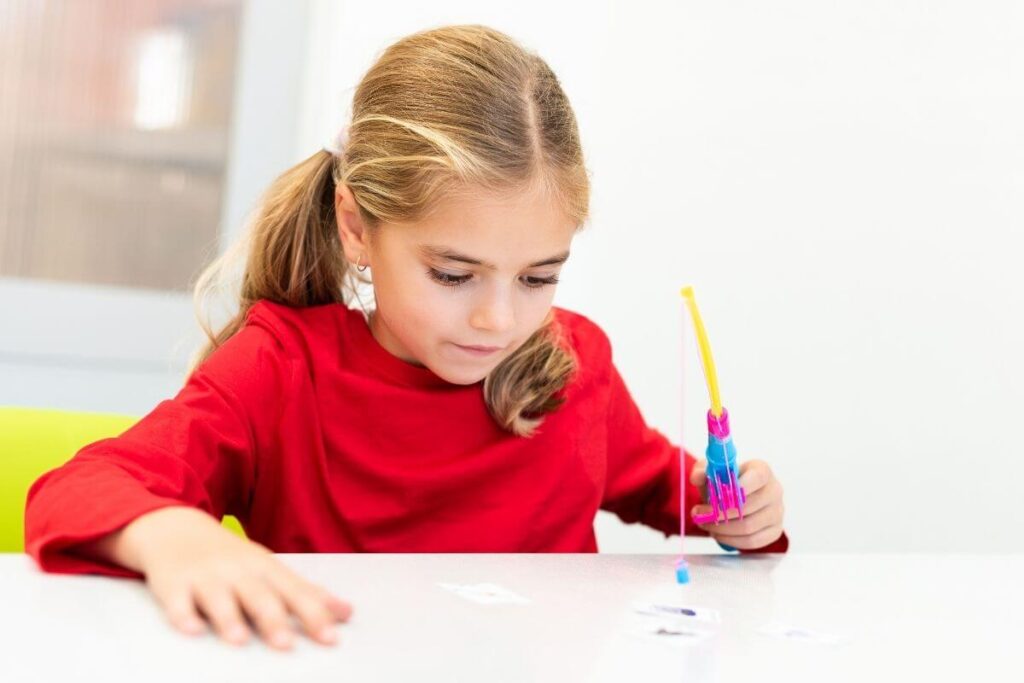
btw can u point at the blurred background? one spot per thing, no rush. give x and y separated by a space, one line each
843 183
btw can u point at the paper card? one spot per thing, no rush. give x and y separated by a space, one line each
682 612
789 632
485 593
668 630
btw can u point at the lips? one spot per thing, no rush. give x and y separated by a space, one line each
477 350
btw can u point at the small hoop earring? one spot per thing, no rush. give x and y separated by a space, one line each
361 269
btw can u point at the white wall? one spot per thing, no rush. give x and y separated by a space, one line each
843 184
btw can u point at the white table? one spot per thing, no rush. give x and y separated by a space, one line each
913 618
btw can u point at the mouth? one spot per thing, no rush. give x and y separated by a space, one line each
479 350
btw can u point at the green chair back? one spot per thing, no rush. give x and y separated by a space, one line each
34 441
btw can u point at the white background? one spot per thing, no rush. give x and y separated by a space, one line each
842 182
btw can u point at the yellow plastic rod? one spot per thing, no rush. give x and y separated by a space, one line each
710 376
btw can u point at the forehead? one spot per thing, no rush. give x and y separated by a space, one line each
507 228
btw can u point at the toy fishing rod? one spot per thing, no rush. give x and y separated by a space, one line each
724 492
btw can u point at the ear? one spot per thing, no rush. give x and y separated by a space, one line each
351 229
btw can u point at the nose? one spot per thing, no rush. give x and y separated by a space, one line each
495 313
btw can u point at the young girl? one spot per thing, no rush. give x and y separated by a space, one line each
464 413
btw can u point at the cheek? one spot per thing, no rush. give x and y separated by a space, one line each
535 309
436 316
420 312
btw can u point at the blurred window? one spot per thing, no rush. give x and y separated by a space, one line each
114 128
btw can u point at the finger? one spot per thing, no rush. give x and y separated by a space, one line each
698 474
180 609
756 502
311 604
341 609
221 608
267 610
284 578
750 524
755 541
754 475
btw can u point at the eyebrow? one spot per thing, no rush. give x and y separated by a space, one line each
452 255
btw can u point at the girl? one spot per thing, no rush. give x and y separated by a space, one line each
462 414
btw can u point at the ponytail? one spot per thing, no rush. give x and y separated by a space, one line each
293 252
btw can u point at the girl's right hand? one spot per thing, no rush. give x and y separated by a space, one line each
196 568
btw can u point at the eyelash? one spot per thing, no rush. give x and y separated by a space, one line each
449 280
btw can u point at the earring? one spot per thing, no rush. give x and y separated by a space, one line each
360 268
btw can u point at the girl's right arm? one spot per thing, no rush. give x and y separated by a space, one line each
194 568
149 502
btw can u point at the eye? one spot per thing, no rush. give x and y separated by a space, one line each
538 282
447 279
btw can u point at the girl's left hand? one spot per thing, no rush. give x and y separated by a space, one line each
762 513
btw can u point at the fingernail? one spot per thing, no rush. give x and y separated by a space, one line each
237 633
281 639
193 626
327 635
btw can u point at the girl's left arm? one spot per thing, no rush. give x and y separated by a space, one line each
643 481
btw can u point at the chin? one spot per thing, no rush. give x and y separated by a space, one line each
463 377
461 373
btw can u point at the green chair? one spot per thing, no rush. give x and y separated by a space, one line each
33 441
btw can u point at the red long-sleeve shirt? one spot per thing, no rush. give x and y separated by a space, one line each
319 440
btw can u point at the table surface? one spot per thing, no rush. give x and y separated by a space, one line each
846 617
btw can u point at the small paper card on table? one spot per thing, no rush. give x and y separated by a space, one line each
668 630
778 629
682 612
485 593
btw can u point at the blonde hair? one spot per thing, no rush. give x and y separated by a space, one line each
440 111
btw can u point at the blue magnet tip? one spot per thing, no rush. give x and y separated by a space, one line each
682 574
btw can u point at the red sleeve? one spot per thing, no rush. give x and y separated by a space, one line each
643 479
643 471
197 449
